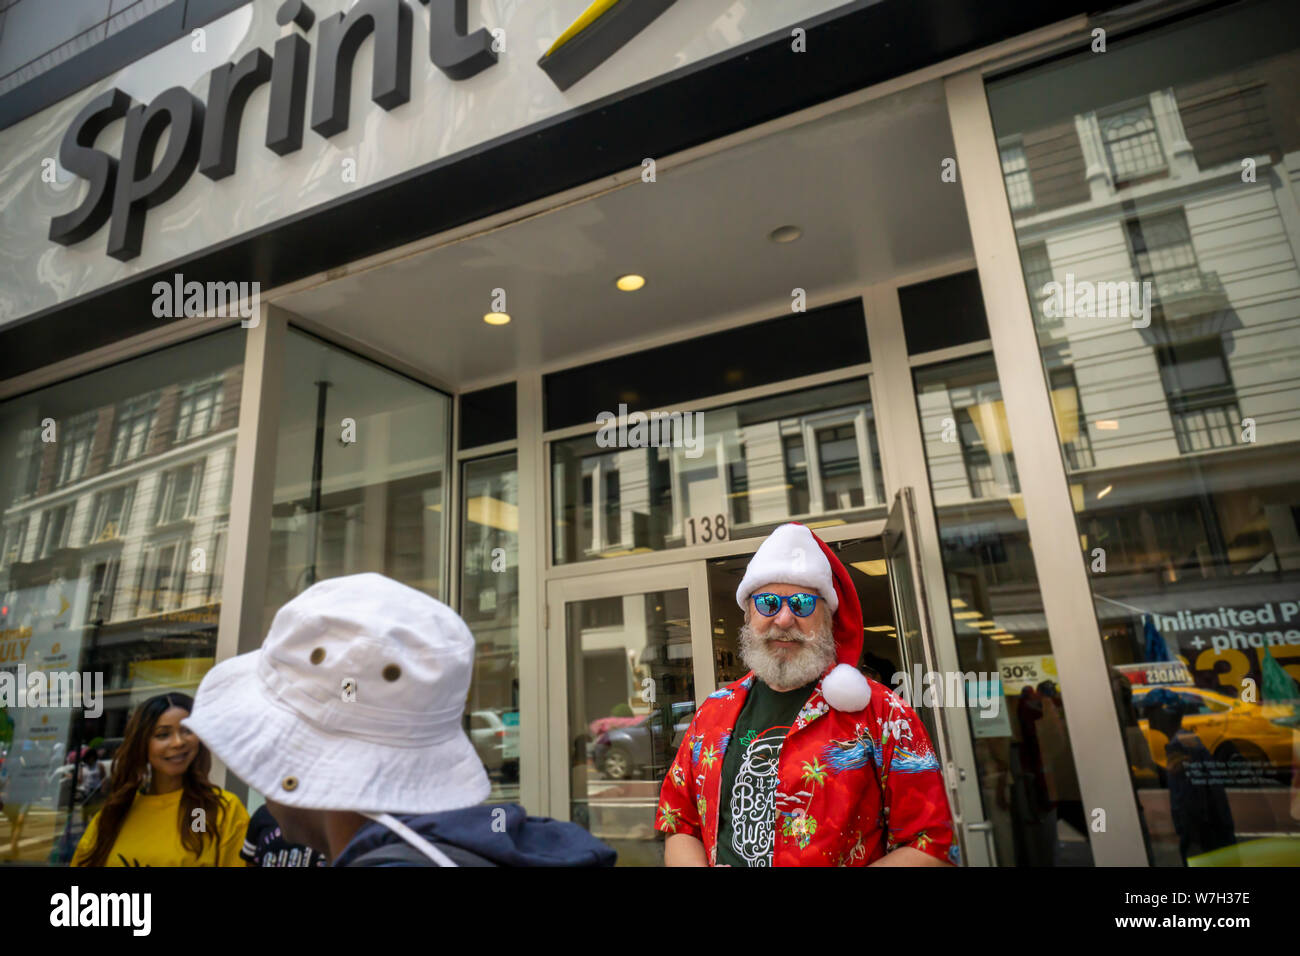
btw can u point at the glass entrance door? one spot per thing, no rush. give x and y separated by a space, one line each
629 661
916 638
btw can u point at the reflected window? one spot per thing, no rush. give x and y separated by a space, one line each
1163 254
217 563
103 588
1038 273
600 612
198 409
796 475
745 469
1015 170
738 484
55 525
979 467
841 467
28 458
178 493
965 425
1132 144
131 429
73 452
1202 400
110 514
1069 417
15 538
162 576
612 508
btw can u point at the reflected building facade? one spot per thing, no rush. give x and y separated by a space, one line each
1179 424
115 521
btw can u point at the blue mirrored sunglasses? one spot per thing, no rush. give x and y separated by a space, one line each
801 604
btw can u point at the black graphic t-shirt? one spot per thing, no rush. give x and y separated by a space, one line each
265 845
747 801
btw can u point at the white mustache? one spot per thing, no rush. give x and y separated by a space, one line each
795 636
813 653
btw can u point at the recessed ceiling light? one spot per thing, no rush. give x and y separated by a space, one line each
630 282
1107 425
785 234
1104 492
497 318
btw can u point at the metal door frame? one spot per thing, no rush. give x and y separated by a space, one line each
905 466
689 575
902 529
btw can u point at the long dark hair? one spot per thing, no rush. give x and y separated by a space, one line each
130 765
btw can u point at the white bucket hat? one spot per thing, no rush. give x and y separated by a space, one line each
353 702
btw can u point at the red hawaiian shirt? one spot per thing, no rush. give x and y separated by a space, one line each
850 787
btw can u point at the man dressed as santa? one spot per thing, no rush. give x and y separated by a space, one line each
804 761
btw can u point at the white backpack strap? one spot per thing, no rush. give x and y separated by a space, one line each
411 837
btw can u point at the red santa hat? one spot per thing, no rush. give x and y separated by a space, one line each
792 554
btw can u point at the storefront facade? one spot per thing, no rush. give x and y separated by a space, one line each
959 291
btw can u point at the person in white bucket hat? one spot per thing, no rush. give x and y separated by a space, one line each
349 721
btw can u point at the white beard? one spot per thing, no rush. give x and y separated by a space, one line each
787 669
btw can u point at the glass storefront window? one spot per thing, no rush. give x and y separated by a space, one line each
489 603
359 479
620 750
1166 235
1027 779
109 565
810 456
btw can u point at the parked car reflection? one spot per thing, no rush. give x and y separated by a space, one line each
642 747
1230 729
496 740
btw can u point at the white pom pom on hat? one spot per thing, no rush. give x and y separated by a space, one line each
846 689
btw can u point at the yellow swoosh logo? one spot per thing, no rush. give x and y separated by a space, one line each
586 19
596 35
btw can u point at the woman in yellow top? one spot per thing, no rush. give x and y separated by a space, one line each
161 809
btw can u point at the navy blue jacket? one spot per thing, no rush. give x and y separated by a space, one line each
487 835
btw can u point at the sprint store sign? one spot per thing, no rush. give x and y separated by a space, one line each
279 107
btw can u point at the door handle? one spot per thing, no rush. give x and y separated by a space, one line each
985 827
955 777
